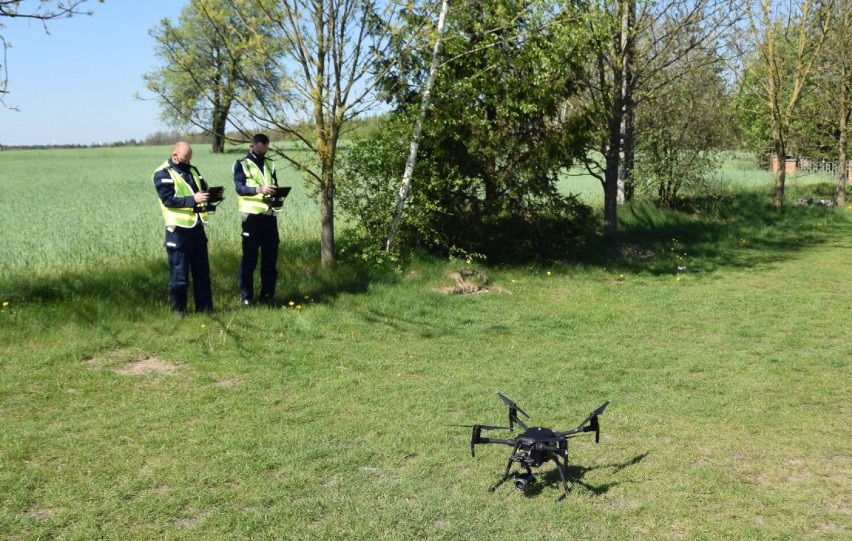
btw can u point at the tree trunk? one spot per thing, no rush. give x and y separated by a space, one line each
842 163
405 185
611 196
612 157
627 126
780 173
327 248
220 123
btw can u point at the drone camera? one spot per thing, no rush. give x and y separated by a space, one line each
523 481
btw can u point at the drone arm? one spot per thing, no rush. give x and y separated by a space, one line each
476 438
497 440
555 450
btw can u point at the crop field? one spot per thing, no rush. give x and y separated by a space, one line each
722 338
99 207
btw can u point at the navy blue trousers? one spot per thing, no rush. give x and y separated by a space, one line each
187 253
260 233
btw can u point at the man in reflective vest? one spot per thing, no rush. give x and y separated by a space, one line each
183 192
255 180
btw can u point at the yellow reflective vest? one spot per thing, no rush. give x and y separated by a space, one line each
181 216
255 178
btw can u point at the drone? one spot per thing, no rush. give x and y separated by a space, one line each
535 446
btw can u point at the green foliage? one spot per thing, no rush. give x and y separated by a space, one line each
751 119
216 63
491 151
446 212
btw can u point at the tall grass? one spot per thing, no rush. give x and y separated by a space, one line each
71 209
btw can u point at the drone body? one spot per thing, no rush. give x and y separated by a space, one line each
535 446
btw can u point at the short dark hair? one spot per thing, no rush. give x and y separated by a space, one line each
260 138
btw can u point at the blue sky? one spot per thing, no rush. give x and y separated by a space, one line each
77 85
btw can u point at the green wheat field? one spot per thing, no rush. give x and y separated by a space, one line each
721 335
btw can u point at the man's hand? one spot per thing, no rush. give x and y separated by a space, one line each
201 197
269 189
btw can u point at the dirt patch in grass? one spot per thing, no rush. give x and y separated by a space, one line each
228 383
40 515
470 282
146 365
130 362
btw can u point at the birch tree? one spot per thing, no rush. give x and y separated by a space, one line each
405 185
502 125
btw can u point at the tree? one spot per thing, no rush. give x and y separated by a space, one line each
405 185
638 41
830 103
500 128
679 129
213 59
784 42
331 57
40 10
839 62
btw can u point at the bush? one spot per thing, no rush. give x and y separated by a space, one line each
446 212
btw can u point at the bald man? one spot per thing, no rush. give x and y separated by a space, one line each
182 191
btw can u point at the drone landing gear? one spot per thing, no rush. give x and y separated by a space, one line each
524 480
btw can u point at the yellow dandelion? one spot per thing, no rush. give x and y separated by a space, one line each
677 279
5 304
298 307
306 297
203 326
513 281
291 303
549 273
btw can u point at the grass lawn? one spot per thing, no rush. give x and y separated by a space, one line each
722 339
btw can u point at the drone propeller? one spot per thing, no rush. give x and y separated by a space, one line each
592 420
514 410
512 405
485 427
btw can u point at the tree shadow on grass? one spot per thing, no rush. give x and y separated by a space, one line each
741 230
132 292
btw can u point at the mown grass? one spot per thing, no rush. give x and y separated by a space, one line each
721 336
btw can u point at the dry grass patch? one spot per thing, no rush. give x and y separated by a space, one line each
470 282
228 383
131 362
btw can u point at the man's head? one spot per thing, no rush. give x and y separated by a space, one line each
182 153
259 144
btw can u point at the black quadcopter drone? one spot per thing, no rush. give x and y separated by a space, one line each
535 446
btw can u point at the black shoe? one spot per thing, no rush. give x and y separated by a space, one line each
180 314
